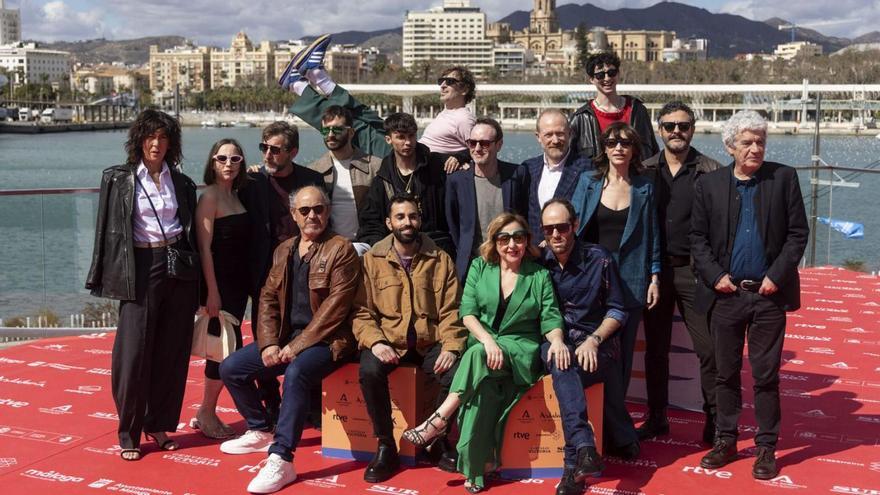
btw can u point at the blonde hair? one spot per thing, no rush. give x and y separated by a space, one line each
489 252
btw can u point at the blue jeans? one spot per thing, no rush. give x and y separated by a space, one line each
239 372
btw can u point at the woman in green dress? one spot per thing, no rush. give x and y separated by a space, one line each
508 304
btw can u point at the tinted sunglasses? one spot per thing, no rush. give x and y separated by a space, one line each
450 81
305 210
334 129
670 126
602 73
271 147
612 143
228 158
485 143
519 237
562 228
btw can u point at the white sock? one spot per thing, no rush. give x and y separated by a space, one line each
321 80
299 86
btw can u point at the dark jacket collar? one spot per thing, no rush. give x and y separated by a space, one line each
386 170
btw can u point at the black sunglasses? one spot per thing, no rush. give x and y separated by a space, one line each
485 143
562 228
305 210
450 81
228 158
271 147
336 130
612 143
602 73
670 126
519 237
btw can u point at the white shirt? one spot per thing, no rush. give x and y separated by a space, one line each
344 213
145 226
550 176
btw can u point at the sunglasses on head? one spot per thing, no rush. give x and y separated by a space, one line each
602 73
613 142
562 228
518 236
271 147
305 210
670 126
485 143
336 130
450 81
228 158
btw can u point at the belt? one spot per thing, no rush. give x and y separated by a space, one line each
748 285
676 261
158 244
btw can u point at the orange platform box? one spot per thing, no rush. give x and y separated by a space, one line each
533 440
346 429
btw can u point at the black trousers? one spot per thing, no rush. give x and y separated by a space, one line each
735 317
374 386
677 287
151 351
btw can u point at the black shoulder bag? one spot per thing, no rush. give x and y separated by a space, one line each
182 264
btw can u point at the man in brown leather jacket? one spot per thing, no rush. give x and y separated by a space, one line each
406 311
303 333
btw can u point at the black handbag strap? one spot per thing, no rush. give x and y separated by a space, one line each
158 220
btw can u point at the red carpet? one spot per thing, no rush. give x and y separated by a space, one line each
58 429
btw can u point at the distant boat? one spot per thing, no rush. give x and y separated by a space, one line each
241 124
209 123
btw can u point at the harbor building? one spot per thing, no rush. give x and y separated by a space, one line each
687 50
10 25
28 64
103 79
454 34
642 45
795 49
244 64
187 65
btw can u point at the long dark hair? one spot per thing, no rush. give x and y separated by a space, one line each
210 175
619 130
146 124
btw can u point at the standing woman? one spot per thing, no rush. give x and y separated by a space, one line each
223 229
617 205
145 207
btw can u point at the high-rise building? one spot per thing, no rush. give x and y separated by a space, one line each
27 64
187 65
454 34
243 64
10 25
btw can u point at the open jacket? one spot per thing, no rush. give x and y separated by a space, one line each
585 130
573 167
389 300
363 169
334 275
112 271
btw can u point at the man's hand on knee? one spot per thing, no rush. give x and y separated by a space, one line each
385 353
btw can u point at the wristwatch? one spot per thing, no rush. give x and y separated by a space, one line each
597 337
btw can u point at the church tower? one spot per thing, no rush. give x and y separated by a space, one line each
542 19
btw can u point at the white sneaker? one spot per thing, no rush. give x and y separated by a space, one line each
275 475
251 442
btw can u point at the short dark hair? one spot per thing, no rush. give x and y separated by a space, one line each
281 128
676 106
618 130
403 123
336 111
572 214
489 121
402 197
145 125
467 80
210 176
599 59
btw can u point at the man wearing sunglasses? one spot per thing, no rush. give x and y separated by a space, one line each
499 185
675 171
588 121
585 277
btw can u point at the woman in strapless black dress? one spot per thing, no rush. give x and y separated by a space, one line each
223 230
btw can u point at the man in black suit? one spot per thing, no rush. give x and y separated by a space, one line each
748 234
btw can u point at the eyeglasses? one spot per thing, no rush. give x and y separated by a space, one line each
670 126
602 73
229 158
271 147
518 236
485 143
612 143
450 81
336 130
562 228
305 210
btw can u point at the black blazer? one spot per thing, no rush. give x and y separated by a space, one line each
782 222
461 206
572 168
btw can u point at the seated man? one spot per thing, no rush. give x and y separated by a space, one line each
303 333
585 277
406 311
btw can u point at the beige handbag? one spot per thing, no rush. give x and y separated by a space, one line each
212 347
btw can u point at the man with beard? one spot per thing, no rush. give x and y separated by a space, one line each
405 311
676 170
347 172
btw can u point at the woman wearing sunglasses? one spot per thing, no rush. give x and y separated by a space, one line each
616 204
508 305
223 230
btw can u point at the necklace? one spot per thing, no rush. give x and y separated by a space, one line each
407 182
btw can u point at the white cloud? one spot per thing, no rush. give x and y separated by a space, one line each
847 18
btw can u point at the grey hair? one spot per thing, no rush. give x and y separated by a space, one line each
552 111
324 197
745 120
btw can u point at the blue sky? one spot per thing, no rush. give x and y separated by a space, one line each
216 22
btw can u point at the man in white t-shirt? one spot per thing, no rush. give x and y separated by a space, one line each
347 173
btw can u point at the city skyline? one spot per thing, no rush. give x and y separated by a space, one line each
216 24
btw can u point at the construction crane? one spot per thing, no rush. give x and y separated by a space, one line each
793 26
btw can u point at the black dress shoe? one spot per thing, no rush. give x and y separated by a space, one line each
589 463
568 485
721 454
627 452
443 454
709 429
384 464
765 464
655 426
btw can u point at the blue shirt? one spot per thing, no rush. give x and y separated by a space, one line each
588 289
747 260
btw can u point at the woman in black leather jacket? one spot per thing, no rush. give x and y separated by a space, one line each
146 206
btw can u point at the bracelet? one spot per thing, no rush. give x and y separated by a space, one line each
597 337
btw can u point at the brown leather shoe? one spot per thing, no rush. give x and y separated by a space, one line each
723 452
765 464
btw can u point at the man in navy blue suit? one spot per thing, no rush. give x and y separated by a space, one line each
555 173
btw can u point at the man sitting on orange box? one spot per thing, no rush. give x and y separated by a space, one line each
586 281
405 311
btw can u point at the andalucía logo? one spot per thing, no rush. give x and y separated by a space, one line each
65 409
815 414
52 476
329 482
782 482
840 365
